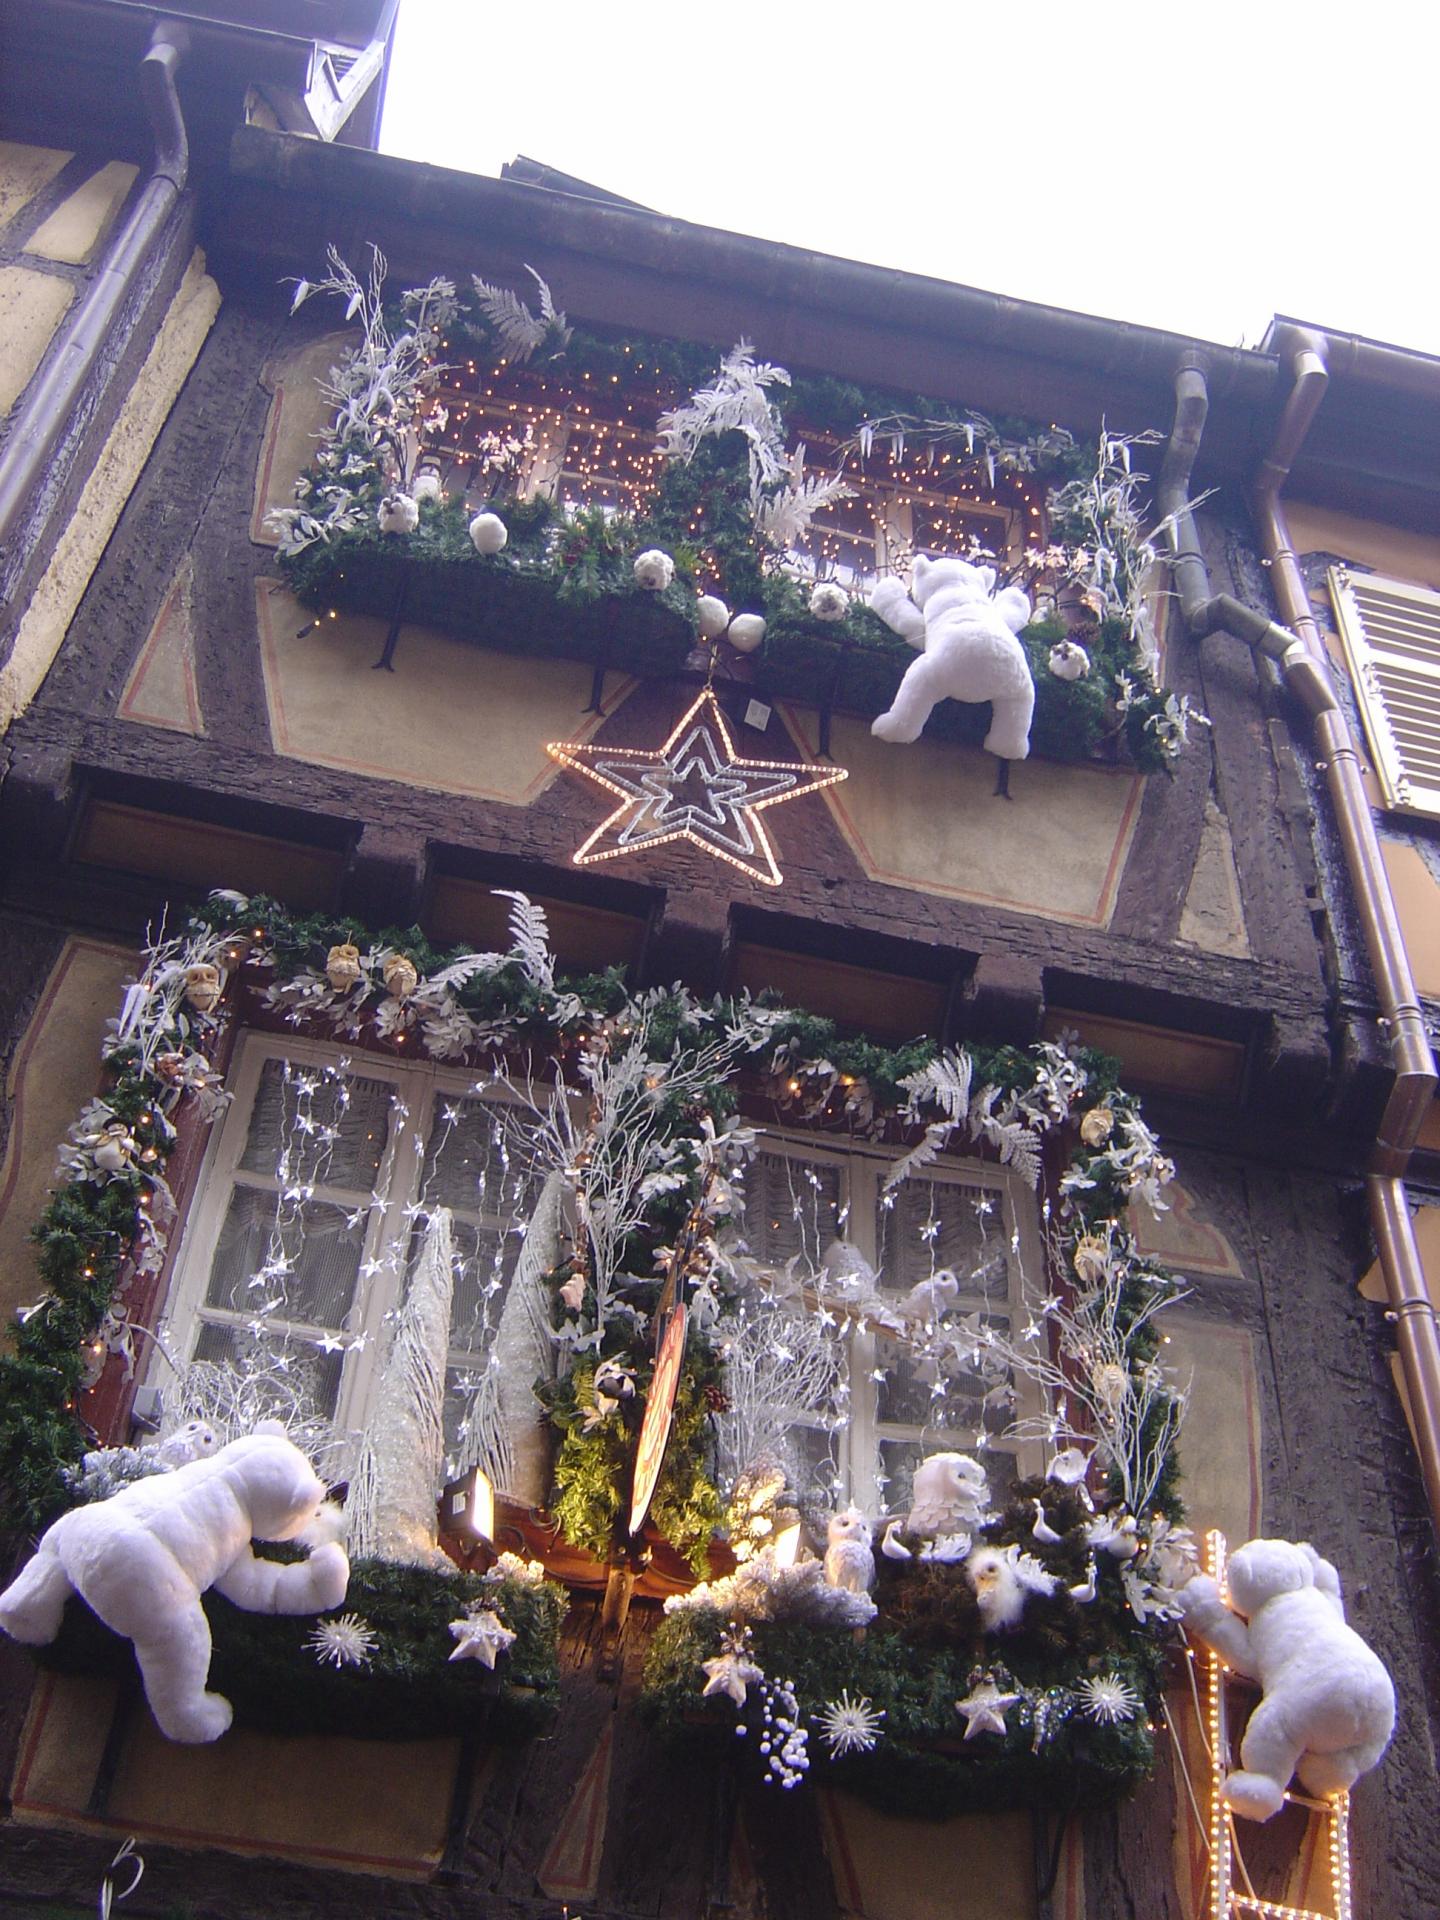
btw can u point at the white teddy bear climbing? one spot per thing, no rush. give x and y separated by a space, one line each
965 632
1329 1707
142 1559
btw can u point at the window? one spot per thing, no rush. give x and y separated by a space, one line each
906 1396
313 1211
1391 634
884 523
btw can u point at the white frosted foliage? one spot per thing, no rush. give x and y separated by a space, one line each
392 1504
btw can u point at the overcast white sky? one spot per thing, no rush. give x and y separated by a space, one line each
1195 167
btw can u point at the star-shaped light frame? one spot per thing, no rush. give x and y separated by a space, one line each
724 820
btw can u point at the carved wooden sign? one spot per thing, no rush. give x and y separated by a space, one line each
659 1409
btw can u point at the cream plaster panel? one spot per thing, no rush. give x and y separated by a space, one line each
77 552
1213 918
450 717
1182 1237
161 690
888 1867
1220 1453
1396 551
375 1806
23 172
31 305
56 1069
926 816
299 414
76 227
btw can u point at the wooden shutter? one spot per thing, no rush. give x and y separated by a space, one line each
1392 643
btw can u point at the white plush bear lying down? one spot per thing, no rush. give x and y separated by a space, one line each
142 1559
1329 1706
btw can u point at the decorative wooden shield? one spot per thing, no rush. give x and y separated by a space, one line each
659 1409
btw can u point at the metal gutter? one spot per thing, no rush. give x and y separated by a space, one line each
1300 652
53 401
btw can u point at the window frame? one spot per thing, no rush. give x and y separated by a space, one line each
399 1186
862 1167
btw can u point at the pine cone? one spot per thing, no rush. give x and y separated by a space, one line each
716 1400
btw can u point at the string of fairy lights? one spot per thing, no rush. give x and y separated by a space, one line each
589 440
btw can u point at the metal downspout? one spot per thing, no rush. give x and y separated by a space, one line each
57 394
1300 651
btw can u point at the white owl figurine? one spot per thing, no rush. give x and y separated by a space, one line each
849 1563
950 1495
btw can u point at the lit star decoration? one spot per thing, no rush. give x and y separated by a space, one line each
480 1637
343 1642
696 788
984 1709
849 1726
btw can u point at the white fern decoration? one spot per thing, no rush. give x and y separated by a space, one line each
520 333
529 937
782 518
739 402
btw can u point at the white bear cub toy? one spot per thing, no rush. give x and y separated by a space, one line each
967 633
1328 1709
142 1559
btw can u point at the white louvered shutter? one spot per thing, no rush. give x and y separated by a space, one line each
1392 643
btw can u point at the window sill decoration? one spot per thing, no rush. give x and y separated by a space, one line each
1007 1656
714 541
380 1667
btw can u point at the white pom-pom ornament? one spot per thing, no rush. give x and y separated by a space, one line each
713 614
745 632
1069 662
654 570
488 533
829 602
427 485
397 513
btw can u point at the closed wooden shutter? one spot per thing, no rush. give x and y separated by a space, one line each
1392 642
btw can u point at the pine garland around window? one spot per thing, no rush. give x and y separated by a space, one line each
1032 1635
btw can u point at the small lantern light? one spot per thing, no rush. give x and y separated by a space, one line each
467 1513
787 1545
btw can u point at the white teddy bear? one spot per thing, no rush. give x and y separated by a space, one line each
966 632
1328 1709
142 1559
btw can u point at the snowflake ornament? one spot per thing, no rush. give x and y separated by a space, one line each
1109 1699
343 1642
849 1726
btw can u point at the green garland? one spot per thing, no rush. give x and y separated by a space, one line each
564 585
408 1688
924 1646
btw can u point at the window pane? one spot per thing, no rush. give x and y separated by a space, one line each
475 1160
335 1125
940 526
792 1207
937 1223
899 1459
290 1378
306 1258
